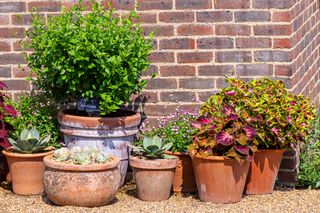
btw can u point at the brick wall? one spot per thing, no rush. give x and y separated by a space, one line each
197 43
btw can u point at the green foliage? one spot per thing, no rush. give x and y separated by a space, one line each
94 56
152 148
36 110
30 142
81 156
309 171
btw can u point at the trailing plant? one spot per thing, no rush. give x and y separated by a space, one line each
36 110
30 142
81 155
309 169
96 58
6 111
152 148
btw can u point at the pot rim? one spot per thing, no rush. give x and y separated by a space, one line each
217 158
20 155
157 164
80 168
271 150
176 153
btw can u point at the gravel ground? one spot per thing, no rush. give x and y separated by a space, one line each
282 200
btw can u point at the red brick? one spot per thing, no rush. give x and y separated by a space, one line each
215 43
272 56
177 43
4 19
194 57
151 70
21 19
196 83
252 16
281 43
283 70
233 30
253 42
221 83
159 83
158 30
215 70
159 57
86 4
231 4
148 18
204 96
159 110
193 4
177 71
281 16
4 46
11 58
20 72
176 17
17 84
12 32
277 4
150 97
119 4
177 96
272 30
155 4
44 6
214 16
9 7
20 46
254 70
5 72
191 29
235 56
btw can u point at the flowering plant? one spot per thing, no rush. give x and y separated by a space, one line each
176 129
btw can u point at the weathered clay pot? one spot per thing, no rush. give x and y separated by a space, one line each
183 180
110 134
220 180
153 177
26 171
81 185
263 171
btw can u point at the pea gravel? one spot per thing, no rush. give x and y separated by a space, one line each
282 200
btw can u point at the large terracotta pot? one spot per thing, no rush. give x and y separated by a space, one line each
153 177
81 185
111 134
263 171
26 171
220 180
183 180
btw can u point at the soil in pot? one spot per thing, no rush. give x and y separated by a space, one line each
81 185
153 178
111 134
183 180
263 172
220 180
26 172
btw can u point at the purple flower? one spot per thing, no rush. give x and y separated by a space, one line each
233 117
224 138
230 93
251 132
243 149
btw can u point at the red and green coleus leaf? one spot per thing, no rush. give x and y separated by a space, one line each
244 150
250 132
10 110
224 138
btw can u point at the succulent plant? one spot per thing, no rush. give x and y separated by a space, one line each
30 142
152 148
81 155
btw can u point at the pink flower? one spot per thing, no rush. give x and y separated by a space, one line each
230 93
224 138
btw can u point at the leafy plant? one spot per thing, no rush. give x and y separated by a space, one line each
152 148
81 156
30 142
309 170
96 57
37 110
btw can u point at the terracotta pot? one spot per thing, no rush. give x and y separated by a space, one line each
81 185
110 134
153 177
183 180
26 171
263 172
220 180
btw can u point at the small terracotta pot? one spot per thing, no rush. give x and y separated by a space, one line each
263 172
183 180
153 177
81 185
220 180
26 171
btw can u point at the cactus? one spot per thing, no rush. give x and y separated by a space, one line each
30 142
152 148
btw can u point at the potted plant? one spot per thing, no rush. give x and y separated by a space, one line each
281 119
153 170
176 129
221 151
25 160
95 59
81 176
